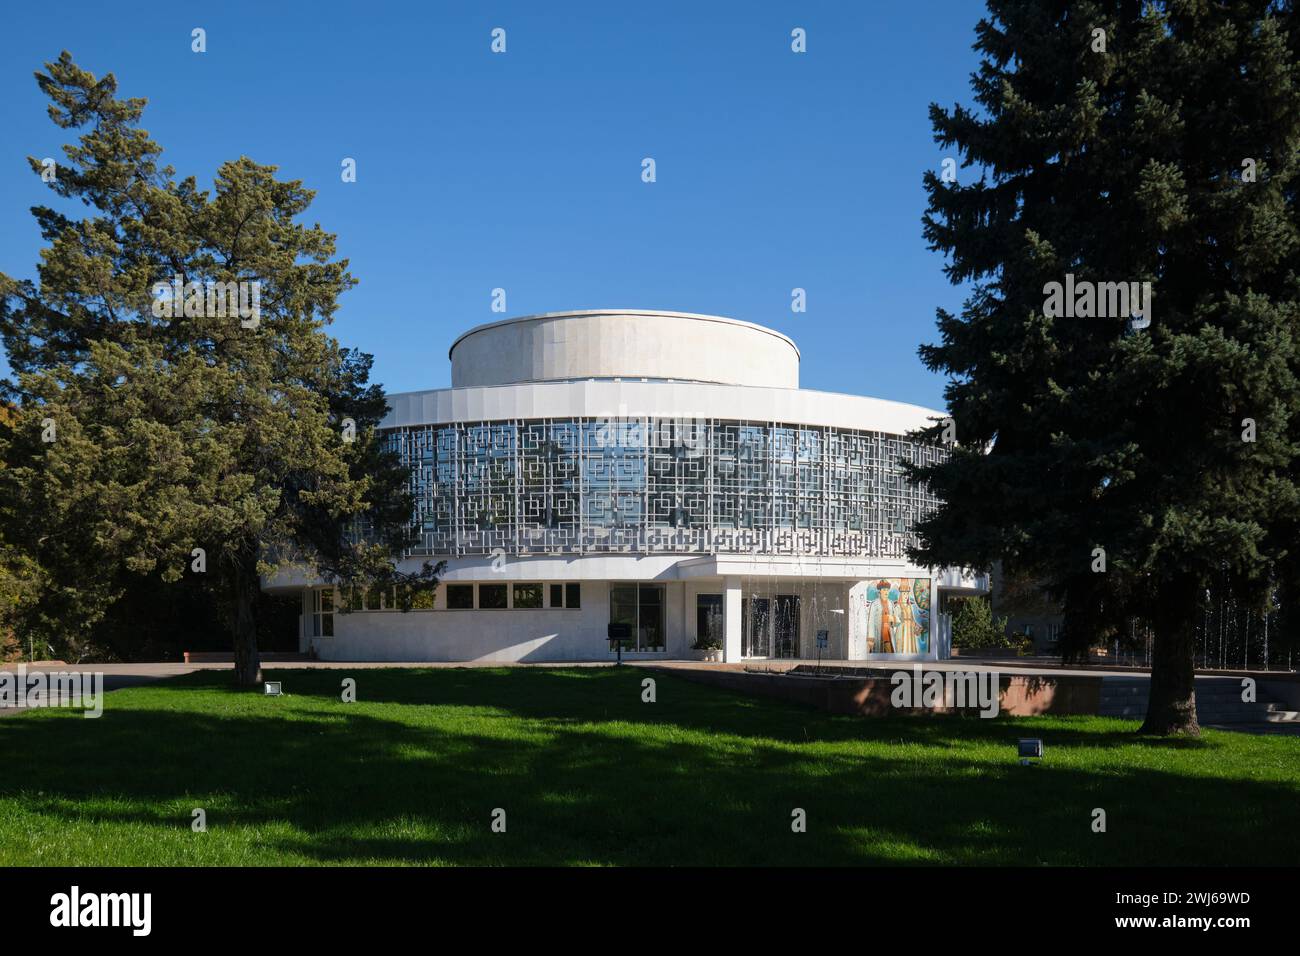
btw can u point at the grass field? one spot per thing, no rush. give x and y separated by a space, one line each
589 774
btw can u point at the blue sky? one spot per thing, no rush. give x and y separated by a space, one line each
522 171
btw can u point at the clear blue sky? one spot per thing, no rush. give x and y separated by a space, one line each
523 170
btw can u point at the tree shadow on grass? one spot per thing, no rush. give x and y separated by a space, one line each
587 773
579 694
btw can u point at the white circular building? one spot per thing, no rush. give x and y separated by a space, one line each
657 476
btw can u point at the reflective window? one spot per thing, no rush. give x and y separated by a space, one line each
660 486
708 621
527 596
460 597
641 607
492 596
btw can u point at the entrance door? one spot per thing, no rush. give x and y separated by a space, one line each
756 627
769 626
786 625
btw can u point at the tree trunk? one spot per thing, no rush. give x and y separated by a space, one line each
243 623
1171 705
1083 620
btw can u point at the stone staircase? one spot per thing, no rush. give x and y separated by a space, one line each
1218 702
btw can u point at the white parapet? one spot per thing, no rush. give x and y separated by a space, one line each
625 343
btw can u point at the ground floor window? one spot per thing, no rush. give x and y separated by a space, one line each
527 596
399 597
769 626
641 607
497 597
566 596
460 597
322 612
708 621
492 596
418 599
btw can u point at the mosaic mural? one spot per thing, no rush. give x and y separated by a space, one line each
896 616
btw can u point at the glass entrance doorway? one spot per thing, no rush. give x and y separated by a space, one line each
769 626
756 627
785 625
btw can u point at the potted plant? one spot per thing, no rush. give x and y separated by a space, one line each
707 649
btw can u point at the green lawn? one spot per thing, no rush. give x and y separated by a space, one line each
588 774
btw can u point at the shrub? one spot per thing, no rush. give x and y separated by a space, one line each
973 625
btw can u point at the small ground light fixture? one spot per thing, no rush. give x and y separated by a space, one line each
272 688
1031 748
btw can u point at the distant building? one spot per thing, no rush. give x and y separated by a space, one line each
1028 610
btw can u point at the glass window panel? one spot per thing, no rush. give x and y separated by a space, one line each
708 620
657 486
622 610
650 618
527 596
492 596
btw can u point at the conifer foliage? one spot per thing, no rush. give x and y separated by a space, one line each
1123 375
179 408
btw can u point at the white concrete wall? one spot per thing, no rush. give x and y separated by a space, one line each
562 346
553 634
858 621
473 635
546 634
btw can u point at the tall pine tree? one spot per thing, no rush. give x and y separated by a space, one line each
1127 464
170 435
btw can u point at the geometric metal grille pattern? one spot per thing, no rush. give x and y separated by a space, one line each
660 486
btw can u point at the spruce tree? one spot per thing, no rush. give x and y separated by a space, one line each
1128 459
172 434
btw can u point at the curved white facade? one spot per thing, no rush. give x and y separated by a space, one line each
566 346
649 470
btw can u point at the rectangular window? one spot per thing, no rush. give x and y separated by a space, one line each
374 598
322 612
708 621
641 607
492 596
460 597
622 610
650 617
527 596
356 599
405 597
566 596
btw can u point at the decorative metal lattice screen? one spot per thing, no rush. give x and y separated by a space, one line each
661 486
